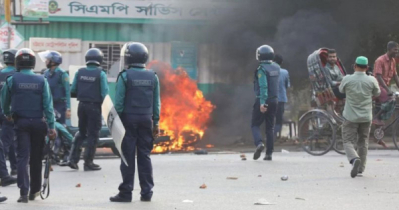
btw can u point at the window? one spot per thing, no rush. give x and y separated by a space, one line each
111 57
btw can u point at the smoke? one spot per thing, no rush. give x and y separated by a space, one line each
294 29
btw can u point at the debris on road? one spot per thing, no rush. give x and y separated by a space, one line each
259 175
283 151
284 178
188 201
342 165
263 202
232 178
201 152
243 157
78 185
203 186
302 199
378 160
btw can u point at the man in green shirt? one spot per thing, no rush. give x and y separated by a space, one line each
360 89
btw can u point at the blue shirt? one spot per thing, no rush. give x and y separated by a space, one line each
121 91
47 99
284 83
65 84
104 81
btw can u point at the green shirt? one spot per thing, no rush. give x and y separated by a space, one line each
262 81
47 99
8 69
103 80
121 91
359 89
65 84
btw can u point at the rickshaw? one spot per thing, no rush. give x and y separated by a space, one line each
320 128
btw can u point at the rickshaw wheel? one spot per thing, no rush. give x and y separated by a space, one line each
317 134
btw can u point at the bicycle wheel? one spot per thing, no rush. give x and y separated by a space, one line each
395 132
317 134
339 142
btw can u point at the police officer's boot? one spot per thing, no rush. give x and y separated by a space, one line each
9 180
2 199
23 199
89 166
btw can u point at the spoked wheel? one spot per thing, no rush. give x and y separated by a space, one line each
317 134
395 131
339 142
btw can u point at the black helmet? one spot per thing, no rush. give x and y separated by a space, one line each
265 53
25 59
94 56
135 54
9 56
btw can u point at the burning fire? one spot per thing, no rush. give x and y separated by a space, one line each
184 110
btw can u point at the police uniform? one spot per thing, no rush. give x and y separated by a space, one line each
266 82
137 101
7 132
58 80
90 87
7 128
30 100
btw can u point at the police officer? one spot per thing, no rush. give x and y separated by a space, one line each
266 82
7 128
30 100
58 80
138 103
90 87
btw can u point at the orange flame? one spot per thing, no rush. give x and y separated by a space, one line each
184 110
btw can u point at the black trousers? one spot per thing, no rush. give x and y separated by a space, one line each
89 129
258 118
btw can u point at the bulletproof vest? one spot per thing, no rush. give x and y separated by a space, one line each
272 75
139 92
3 79
89 85
27 95
54 80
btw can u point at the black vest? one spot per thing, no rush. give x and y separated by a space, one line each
89 85
27 95
272 72
139 92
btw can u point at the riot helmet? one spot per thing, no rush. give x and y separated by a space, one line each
134 54
25 59
9 56
265 53
94 56
53 58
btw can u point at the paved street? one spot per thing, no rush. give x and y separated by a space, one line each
314 183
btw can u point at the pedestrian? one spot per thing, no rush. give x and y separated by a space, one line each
359 89
90 87
138 103
26 99
284 84
7 127
384 71
266 82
